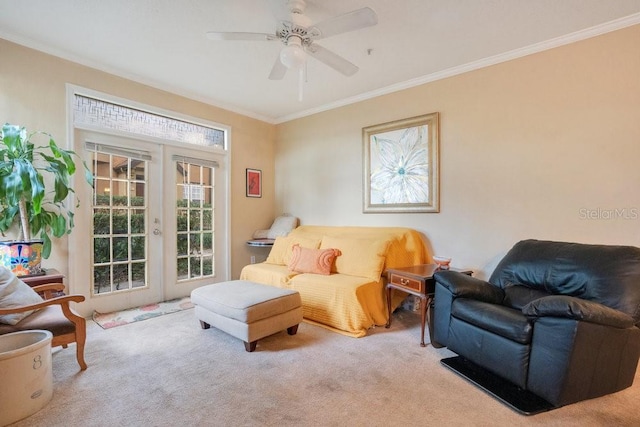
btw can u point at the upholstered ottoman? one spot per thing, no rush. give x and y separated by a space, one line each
247 310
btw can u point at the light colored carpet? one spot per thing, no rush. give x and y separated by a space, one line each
166 371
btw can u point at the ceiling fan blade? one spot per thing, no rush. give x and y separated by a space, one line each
355 20
331 59
215 35
278 71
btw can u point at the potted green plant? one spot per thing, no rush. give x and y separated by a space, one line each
34 185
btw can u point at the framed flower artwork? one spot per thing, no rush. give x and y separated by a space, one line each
401 163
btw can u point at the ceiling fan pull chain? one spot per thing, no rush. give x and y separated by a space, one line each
301 74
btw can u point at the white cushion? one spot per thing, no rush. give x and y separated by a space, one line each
261 234
245 301
282 226
15 293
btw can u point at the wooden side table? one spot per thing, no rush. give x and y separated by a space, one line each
416 280
51 276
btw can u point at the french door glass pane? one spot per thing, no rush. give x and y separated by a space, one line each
119 223
194 212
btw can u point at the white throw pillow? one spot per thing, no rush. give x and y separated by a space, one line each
261 234
282 226
15 293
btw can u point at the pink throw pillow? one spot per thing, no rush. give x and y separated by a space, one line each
318 261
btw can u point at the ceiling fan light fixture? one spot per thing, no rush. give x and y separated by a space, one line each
299 37
293 55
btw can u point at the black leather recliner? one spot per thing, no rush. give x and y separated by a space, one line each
560 320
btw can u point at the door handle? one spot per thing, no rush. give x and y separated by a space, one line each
157 232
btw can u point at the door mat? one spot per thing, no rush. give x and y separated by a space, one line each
124 317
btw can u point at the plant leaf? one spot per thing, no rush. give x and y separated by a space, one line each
8 215
46 247
12 137
59 226
88 176
66 157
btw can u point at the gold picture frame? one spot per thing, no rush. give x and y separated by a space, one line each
401 166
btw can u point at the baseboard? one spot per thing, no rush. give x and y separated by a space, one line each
521 401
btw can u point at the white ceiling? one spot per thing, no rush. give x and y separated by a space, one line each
162 43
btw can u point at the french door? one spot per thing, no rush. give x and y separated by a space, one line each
148 229
194 210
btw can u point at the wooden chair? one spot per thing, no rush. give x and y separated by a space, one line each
54 315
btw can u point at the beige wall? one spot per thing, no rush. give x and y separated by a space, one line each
33 94
526 147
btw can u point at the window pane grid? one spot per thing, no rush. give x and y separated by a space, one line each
119 223
194 212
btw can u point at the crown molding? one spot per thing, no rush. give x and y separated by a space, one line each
587 33
475 65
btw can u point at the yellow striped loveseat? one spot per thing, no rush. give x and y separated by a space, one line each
351 299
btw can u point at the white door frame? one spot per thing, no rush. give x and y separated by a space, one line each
77 265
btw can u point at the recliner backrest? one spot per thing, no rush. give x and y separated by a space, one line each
606 274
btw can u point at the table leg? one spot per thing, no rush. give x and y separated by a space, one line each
424 301
388 306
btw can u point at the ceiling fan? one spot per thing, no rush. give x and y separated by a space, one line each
299 37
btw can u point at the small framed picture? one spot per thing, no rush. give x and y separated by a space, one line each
254 183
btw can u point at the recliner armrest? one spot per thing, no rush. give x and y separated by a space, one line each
578 309
465 286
